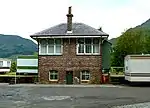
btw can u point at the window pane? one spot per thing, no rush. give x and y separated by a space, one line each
43 42
81 48
1 63
51 49
87 77
43 49
8 63
96 48
81 41
55 77
83 77
95 41
88 41
53 72
88 49
58 49
58 41
51 77
43 46
51 41
83 72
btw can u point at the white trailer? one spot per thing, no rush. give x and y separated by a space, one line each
137 68
27 64
5 65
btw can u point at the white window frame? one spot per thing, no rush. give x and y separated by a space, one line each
81 73
77 48
1 63
40 53
53 74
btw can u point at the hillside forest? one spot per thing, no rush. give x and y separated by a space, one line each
133 41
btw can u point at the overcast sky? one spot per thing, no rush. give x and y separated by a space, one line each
26 17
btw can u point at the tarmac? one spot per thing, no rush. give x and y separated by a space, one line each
73 96
61 85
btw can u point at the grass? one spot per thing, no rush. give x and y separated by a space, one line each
13 74
27 67
117 73
27 57
9 74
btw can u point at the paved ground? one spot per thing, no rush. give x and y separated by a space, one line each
23 96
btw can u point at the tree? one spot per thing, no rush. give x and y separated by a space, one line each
147 45
13 67
35 53
133 41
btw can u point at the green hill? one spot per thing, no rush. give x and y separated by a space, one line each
113 41
146 24
11 45
145 27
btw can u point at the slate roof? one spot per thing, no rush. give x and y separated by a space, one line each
77 29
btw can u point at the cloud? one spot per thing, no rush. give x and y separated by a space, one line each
25 17
114 18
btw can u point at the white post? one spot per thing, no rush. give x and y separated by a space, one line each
15 78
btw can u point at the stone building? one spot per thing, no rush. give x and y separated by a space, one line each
72 50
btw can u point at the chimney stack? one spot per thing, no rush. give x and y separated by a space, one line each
69 20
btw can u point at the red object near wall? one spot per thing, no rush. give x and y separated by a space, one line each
105 79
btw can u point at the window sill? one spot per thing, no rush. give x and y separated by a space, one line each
53 80
87 54
51 54
85 80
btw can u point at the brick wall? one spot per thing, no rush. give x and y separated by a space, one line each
69 61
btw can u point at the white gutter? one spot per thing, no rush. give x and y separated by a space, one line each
35 37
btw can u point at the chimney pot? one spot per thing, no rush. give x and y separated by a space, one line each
69 10
100 29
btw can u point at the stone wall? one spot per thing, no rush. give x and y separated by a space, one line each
69 61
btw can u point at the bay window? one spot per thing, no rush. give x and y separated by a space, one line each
51 47
88 46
